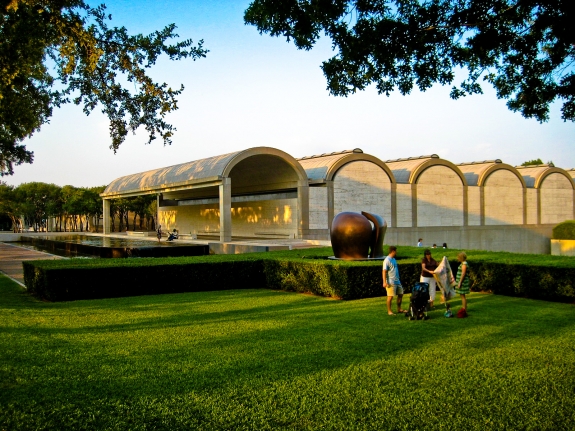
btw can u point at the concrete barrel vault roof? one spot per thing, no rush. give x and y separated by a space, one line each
476 173
323 167
571 173
407 171
534 175
190 174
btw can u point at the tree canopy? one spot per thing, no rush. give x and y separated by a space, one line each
524 48
536 162
63 51
72 208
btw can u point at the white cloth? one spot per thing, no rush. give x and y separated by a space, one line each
444 278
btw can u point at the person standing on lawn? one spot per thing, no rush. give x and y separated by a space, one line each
391 281
462 280
428 266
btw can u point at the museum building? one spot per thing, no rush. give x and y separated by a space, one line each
264 193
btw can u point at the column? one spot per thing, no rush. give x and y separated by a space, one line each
414 205
330 203
106 216
303 209
393 221
465 206
226 210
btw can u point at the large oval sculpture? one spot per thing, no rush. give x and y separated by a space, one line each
350 236
353 237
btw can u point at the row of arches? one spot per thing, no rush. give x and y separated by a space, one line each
430 191
265 192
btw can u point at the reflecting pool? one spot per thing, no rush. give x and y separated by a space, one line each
107 247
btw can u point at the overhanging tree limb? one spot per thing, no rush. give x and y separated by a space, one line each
524 48
62 51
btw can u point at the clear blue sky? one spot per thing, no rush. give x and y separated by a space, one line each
254 90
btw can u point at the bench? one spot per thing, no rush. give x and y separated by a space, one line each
282 235
139 233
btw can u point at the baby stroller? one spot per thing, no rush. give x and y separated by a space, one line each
418 303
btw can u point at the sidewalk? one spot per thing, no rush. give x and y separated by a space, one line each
11 258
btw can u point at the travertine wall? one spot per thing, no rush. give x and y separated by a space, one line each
503 194
318 208
556 199
253 219
439 197
512 238
362 186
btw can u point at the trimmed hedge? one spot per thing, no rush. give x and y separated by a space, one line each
565 230
306 271
82 279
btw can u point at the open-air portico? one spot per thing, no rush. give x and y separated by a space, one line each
260 191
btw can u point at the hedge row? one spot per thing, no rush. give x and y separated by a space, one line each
565 230
76 279
299 271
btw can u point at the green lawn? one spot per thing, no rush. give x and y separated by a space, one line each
261 359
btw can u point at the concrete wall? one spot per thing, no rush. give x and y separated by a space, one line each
263 219
362 186
517 239
503 197
556 199
439 197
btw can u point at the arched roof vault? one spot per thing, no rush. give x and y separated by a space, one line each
504 166
429 163
324 167
358 157
203 173
535 175
477 173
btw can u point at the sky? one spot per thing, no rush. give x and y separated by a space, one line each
255 90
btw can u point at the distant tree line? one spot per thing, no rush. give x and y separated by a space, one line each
71 209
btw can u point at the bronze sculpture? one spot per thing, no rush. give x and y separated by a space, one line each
354 238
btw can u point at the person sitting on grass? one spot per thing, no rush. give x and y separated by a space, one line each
391 281
462 280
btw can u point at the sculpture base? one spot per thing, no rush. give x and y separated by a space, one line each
360 259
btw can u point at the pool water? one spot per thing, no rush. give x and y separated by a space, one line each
106 247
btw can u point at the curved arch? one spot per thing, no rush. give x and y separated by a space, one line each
485 175
353 157
266 151
549 171
416 173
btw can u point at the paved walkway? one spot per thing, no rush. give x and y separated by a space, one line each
11 258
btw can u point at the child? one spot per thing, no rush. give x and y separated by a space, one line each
462 280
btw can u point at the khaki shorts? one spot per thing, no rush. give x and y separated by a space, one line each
394 290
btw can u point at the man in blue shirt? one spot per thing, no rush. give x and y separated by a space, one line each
391 281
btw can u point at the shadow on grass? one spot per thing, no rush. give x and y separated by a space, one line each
208 341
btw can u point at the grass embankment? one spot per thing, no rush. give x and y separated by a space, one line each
269 360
